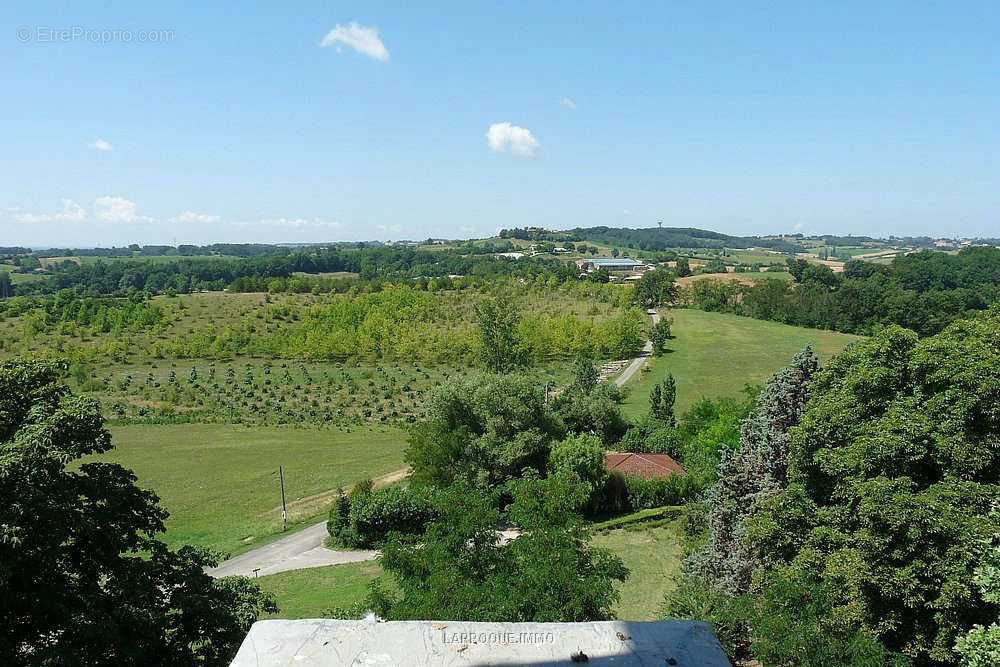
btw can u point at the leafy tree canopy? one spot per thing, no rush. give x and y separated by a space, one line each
484 430
892 473
83 579
461 571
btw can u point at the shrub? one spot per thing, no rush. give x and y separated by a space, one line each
648 493
652 436
582 455
338 525
375 515
614 495
693 599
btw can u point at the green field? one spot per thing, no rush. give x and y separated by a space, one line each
652 551
309 593
220 482
716 354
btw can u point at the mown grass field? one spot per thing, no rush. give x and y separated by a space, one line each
653 552
716 354
310 593
220 483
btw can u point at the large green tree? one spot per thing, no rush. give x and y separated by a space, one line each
461 570
484 430
656 288
83 578
501 348
892 473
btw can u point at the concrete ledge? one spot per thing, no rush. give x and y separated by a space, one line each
328 643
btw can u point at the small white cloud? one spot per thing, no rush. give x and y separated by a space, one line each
627 212
101 145
568 103
363 40
199 218
115 209
71 211
502 136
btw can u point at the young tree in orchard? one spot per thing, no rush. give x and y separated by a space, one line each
501 348
461 571
893 473
661 400
755 472
83 578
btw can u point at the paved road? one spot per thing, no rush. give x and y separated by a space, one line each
294 552
305 548
299 550
637 363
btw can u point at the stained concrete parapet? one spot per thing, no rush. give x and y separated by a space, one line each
369 643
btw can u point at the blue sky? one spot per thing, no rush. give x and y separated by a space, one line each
745 117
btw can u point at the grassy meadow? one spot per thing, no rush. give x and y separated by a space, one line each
220 482
717 354
310 593
652 551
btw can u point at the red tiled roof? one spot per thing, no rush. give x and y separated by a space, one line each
647 466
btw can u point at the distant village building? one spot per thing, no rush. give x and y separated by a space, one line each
612 265
647 466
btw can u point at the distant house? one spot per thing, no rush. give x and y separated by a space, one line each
647 466
559 250
617 264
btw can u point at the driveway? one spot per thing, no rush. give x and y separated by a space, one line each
637 363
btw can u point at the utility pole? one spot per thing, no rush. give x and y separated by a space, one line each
284 515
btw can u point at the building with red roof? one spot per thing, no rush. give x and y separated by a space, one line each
647 466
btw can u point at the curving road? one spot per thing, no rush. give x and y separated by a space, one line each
299 550
637 363
305 549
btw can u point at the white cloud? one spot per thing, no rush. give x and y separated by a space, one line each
566 102
71 211
502 136
101 145
115 209
199 218
363 40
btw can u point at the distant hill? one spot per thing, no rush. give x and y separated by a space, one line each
652 238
